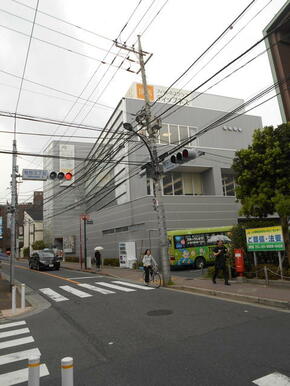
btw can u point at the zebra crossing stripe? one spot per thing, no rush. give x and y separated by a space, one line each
274 379
19 376
16 342
20 331
117 287
133 285
75 291
96 289
18 356
14 324
53 295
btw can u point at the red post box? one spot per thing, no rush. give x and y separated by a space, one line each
239 261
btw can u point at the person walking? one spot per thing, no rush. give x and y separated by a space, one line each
220 253
148 263
98 259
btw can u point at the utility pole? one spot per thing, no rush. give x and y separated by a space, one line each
152 129
13 212
85 240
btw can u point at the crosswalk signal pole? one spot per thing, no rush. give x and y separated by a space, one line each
158 204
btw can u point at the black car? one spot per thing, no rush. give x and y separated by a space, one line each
44 260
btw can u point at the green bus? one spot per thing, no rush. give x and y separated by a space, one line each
190 247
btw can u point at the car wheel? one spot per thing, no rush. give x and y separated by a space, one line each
199 262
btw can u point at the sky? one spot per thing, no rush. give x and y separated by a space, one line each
175 32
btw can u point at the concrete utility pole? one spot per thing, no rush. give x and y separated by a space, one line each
13 212
152 129
157 174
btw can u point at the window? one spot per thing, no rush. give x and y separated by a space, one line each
183 132
164 134
108 231
174 138
167 185
177 184
122 229
228 182
188 184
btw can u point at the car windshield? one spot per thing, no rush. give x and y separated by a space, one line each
46 255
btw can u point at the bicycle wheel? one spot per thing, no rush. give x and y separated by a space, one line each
155 280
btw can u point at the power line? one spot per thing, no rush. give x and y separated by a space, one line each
228 28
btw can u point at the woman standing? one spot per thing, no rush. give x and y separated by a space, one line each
148 263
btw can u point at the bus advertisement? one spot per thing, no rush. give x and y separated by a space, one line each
192 247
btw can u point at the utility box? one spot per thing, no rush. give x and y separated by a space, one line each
127 254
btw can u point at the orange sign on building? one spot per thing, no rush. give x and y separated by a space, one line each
140 92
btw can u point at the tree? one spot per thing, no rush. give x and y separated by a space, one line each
263 176
38 245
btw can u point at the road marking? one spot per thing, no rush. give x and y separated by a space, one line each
84 277
14 324
133 285
20 376
18 356
274 379
96 289
47 274
117 287
16 342
20 331
53 295
75 291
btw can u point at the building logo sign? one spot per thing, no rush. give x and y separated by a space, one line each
265 239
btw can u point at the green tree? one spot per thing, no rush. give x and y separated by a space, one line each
38 245
263 176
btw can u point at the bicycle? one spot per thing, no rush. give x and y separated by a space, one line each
154 277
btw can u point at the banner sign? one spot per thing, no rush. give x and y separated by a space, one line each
265 239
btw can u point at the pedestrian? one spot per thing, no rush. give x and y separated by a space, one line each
148 264
220 253
98 259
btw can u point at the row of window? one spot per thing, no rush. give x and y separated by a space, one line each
189 184
174 134
134 227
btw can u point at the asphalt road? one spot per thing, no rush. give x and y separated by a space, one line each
150 337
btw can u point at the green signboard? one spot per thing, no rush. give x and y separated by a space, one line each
265 239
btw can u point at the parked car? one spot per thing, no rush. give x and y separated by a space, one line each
44 259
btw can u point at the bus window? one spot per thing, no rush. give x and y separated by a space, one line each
179 242
194 240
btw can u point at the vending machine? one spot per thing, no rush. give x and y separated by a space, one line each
127 254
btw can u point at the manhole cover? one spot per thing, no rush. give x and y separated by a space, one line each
159 312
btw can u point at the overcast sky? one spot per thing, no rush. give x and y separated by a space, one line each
176 37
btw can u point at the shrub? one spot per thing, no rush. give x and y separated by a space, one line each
38 245
26 252
72 259
273 274
114 262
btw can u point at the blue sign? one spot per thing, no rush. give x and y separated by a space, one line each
34 174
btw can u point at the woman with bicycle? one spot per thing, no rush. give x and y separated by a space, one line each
148 264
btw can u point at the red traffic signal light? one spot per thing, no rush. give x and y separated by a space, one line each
60 176
184 156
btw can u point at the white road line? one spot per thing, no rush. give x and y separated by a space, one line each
20 376
20 331
18 356
274 379
53 295
14 324
133 285
16 342
83 277
117 287
75 291
97 289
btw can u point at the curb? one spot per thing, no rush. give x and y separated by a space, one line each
36 301
242 298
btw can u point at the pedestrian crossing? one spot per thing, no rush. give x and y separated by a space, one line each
16 359
99 287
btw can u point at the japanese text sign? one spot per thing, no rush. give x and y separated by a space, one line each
265 239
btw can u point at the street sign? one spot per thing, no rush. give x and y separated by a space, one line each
90 222
168 165
265 239
34 174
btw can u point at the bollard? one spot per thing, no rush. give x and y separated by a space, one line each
266 275
13 299
33 370
67 371
201 265
22 296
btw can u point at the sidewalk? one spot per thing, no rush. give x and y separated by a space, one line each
272 296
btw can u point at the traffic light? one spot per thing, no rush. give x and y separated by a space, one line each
60 176
185 155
